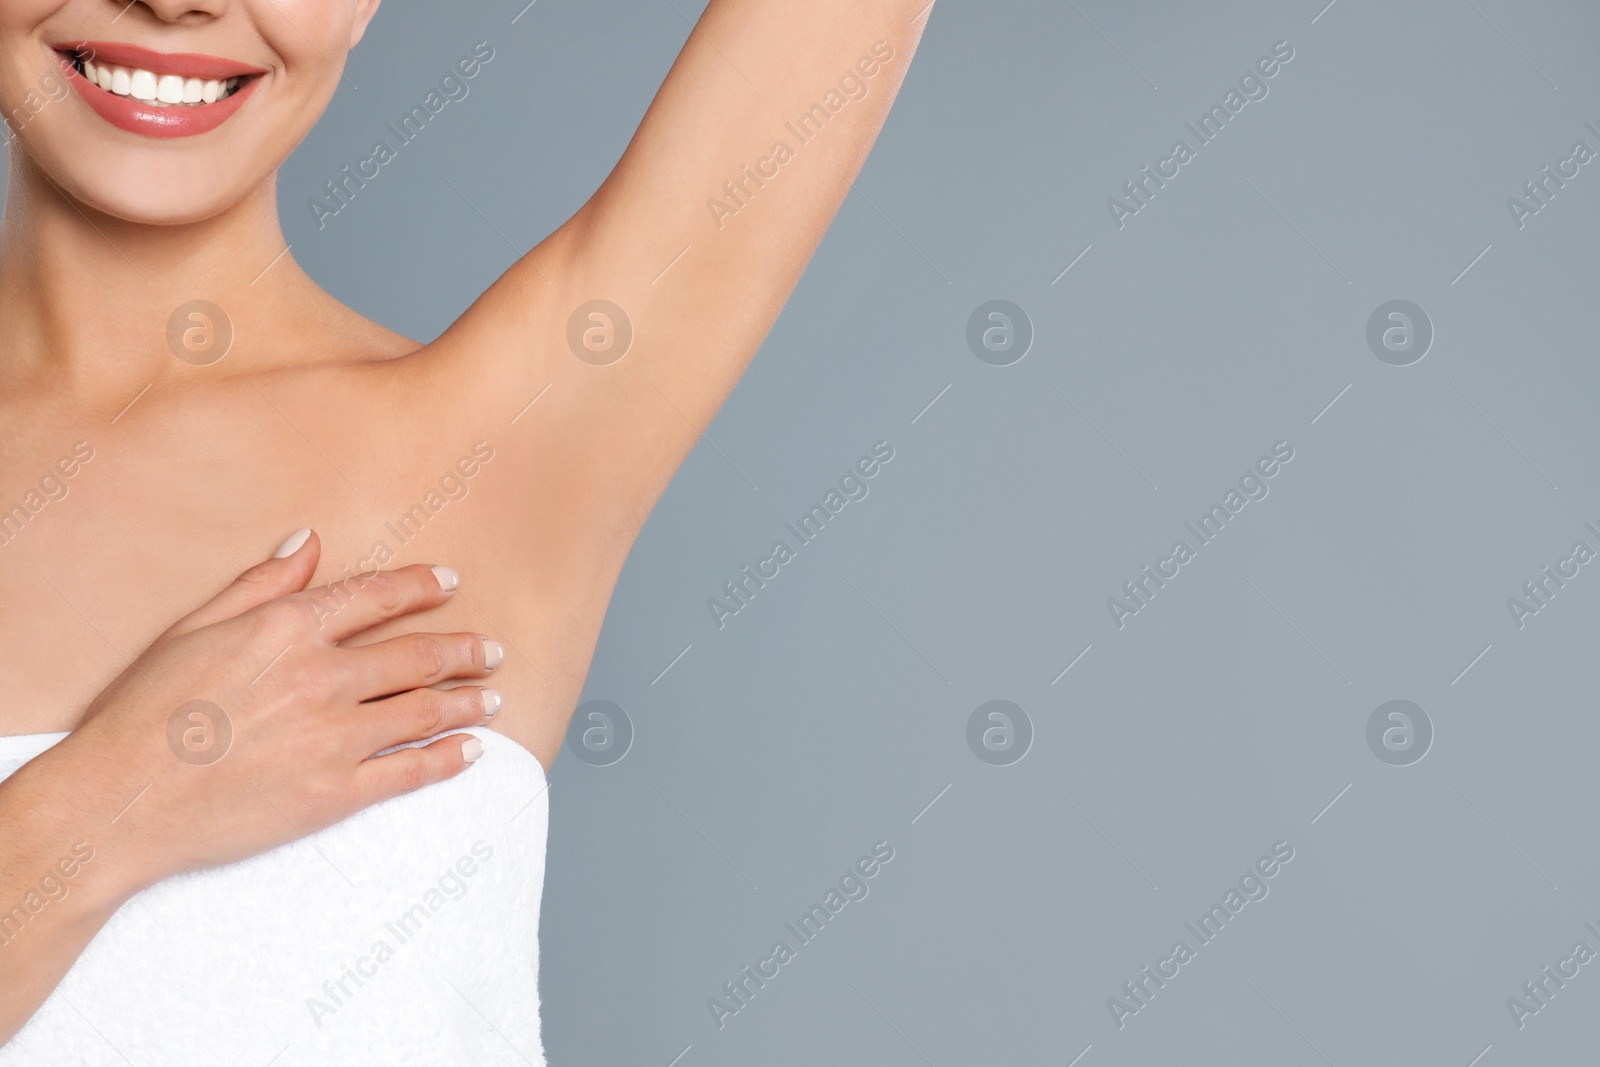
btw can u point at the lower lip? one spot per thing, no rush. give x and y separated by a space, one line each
126 113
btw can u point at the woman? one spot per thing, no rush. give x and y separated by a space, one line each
174 390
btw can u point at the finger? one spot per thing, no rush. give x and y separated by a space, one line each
409 769
286 572
360 602
414 661
423 713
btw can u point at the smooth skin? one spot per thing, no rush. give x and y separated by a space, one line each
318 417
305 723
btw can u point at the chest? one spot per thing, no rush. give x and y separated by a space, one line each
106 539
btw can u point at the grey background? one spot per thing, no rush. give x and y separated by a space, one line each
1227 715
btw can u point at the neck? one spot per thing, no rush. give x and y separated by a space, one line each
86 298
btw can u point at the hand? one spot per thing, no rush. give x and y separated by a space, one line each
281 742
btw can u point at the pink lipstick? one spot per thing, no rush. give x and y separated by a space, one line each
157 94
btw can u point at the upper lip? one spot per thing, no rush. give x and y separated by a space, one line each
184 63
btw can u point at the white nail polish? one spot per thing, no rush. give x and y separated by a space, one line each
492 702
471 749
292 544
493 653
448 579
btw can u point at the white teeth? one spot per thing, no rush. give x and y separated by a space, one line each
164 90
142 86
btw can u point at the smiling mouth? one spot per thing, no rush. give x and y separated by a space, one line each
157 94
153 89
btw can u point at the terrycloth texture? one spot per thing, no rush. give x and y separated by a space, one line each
243 964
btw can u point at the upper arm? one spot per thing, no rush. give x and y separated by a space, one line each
698 236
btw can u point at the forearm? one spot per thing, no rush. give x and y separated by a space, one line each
63 874
747 151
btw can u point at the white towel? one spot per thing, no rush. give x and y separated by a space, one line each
407 934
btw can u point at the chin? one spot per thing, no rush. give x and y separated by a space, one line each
152 192
154 197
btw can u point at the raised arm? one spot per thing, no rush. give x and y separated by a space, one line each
698 235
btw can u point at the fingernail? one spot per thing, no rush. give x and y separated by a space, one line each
292 544
448 579
471 749
492 701
493 654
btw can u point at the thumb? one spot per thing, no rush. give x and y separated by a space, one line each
288 571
